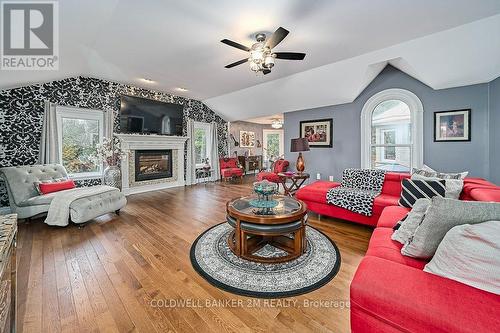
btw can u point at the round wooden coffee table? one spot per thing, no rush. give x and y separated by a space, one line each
282 227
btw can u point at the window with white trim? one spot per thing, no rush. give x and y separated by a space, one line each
202 143
392 131
79 131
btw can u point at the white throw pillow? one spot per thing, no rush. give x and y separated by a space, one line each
429 172
470 254
407 228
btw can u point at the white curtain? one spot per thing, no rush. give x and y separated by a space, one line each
49 143
108 123
214 153
190 158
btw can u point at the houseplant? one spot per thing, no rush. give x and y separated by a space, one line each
109 151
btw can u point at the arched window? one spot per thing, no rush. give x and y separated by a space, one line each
392 131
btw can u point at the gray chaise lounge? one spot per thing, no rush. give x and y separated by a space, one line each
26 202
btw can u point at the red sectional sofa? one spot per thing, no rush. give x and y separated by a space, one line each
391 292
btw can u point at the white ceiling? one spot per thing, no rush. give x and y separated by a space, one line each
266 120
177 44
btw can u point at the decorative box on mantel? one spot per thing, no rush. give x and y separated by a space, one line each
151 162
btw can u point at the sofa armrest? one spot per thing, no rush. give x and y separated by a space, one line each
486 194
409 299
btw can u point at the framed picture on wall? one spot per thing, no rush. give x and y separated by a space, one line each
454 125
247 139
319 132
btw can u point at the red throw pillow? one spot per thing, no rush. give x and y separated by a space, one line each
47 188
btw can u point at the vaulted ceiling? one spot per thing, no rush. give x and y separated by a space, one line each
443 43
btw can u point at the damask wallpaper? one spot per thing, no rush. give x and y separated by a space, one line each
21 114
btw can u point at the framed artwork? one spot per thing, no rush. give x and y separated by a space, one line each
247 139
319 132
454 125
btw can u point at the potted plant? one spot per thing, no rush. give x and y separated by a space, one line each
109 152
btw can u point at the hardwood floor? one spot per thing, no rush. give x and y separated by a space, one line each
108 276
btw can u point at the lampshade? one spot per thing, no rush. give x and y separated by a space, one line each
299 144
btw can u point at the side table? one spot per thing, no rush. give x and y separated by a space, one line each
297 180
203 175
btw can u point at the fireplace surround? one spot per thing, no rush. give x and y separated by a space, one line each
162 162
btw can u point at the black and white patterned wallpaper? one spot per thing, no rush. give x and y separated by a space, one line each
21 114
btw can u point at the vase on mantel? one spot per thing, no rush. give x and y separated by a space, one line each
112 176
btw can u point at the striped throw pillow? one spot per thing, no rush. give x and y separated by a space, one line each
428 172
412 190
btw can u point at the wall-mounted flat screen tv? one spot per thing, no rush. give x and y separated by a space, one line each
147 116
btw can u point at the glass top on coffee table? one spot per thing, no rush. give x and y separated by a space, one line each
278 205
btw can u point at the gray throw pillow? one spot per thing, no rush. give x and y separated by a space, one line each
442 215
412 221
470 254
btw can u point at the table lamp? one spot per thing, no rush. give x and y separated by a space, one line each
299 145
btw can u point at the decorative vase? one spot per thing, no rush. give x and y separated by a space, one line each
113 176
300 165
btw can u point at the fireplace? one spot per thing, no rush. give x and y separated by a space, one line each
153 164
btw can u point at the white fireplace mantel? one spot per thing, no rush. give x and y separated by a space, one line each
132 142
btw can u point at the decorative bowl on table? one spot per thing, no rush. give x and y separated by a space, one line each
265 188
265 191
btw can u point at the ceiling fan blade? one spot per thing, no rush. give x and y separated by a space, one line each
277 37
266 71
236 45
236 63
290 55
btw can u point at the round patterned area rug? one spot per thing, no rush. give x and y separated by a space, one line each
213 260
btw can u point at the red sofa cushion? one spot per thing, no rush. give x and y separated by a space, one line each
474 183
316 191
47 188
392 183
391 215
382 201
406 299
341 213
382 246
269 176
231 172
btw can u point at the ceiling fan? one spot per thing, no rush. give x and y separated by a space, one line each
261 55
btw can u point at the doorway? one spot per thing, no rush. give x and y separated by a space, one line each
273 146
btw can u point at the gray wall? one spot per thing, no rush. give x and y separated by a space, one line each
494 131
237 126
445 156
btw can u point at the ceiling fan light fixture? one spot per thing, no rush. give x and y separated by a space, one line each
254 66
277 123
269 61
262 58
257 52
